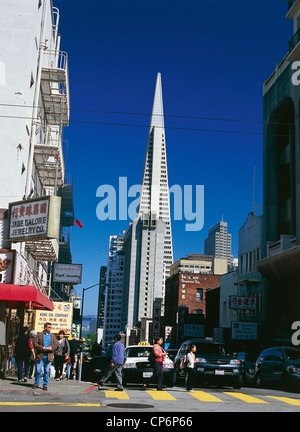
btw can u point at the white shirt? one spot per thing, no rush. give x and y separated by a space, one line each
190 360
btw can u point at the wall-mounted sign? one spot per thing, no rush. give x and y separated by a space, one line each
156 317
195 330
34 219
67 273
241 302
7 264
60 318
244 330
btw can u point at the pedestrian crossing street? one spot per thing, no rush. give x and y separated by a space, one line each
202 396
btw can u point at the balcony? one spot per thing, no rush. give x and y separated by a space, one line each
293 8
282 260
294 47
43 250
55 87
48 157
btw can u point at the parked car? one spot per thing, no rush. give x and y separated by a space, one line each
248 361
137 368
278 365
215 363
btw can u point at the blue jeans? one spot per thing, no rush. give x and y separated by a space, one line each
21 362
39 366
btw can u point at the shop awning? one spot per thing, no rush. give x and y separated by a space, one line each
26 294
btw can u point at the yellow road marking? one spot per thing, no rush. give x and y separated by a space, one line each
160 395
245 398
116 394
205 397
289 401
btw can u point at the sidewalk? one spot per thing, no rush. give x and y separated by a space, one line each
64 387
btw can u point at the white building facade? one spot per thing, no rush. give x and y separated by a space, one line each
34 109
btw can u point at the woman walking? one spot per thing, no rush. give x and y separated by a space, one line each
190 368
24 349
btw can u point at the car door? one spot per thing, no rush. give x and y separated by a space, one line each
276 366
183 350
263 365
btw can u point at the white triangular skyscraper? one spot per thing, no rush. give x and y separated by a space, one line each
148 240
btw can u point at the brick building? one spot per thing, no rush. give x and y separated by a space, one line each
188 290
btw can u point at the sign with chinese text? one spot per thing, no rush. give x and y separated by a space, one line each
67 273
34 219
156 317
241 302
244 330
60 318
195 330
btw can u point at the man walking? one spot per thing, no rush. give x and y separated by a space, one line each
45 344
117 362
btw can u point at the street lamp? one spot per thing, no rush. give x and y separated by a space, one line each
80 332
82 301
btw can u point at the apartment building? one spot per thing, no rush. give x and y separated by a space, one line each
34 93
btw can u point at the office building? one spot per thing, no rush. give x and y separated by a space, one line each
218 243
148 239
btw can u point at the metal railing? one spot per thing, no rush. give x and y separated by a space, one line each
294 40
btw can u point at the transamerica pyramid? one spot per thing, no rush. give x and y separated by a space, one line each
148 240
155 188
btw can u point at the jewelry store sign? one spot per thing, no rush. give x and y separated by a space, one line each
35 219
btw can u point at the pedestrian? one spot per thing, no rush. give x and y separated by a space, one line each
32 335
24 349
118 359
45 344
190 368
158 364
60 354
74 350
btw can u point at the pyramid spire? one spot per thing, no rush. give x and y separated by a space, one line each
157 118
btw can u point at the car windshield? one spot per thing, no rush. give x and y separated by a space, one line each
211 348
293 354
143 351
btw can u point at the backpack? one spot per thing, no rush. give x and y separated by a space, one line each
183 362
151 359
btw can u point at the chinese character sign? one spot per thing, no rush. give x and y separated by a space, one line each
34 219
240 302
60 318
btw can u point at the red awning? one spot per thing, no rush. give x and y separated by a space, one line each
26 294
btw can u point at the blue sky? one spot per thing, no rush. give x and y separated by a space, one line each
213 57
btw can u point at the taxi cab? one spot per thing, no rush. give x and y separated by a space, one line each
137 368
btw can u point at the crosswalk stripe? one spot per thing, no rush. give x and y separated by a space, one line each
116 394
245 398
289 401
160 395
205 397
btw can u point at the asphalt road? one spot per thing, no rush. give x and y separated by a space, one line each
148 404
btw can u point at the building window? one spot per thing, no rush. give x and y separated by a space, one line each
199 294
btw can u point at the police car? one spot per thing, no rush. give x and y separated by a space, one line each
137 368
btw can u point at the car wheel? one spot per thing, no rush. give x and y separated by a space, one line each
258 381
238 383
285 381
